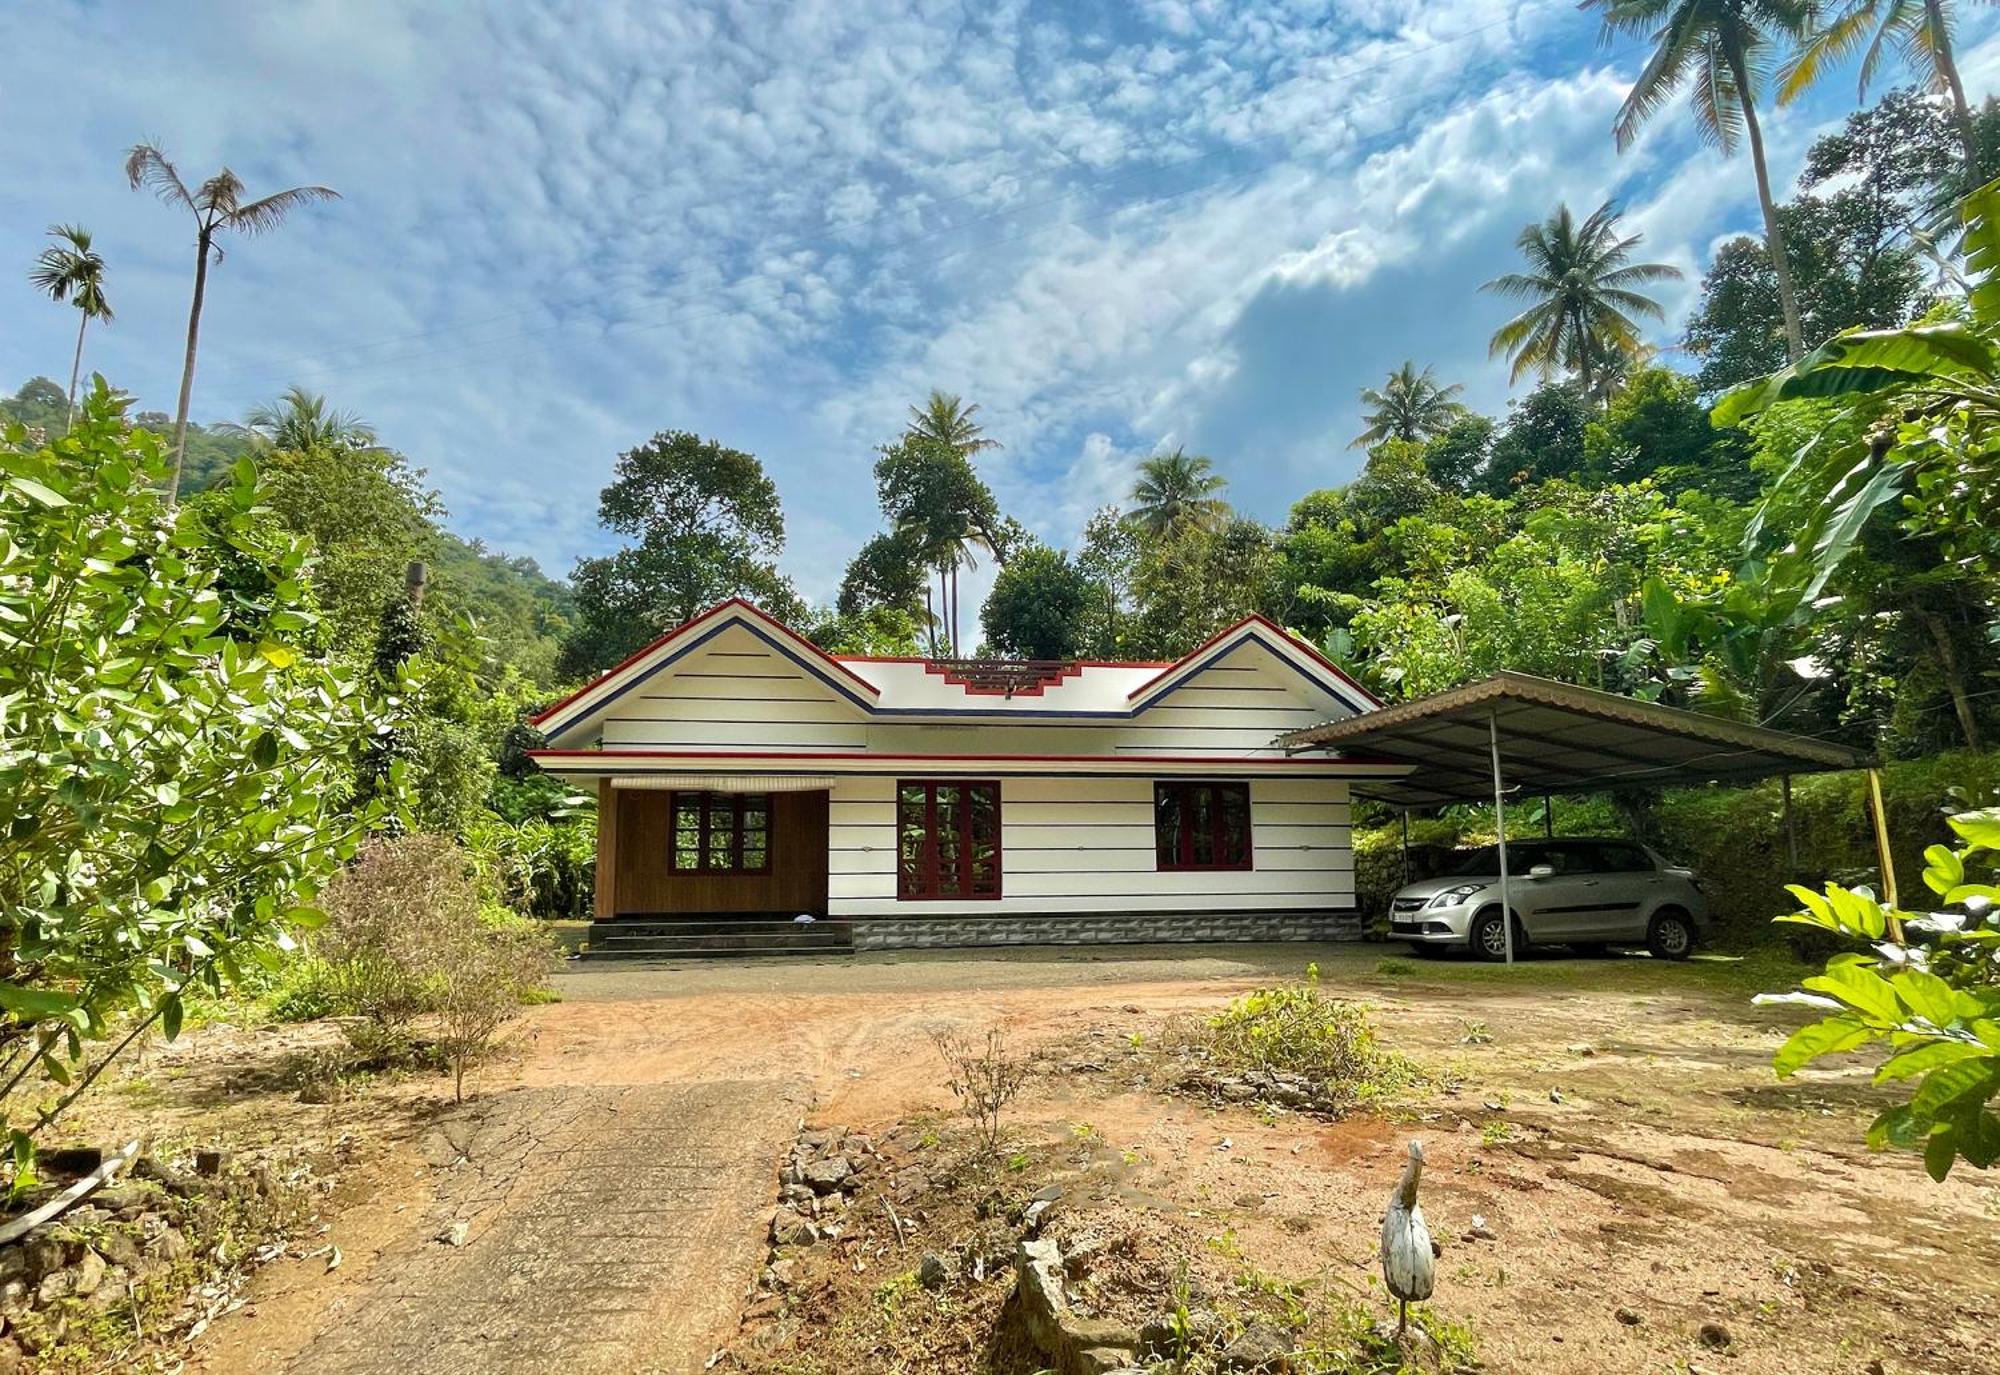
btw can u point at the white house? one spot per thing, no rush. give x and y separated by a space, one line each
745 778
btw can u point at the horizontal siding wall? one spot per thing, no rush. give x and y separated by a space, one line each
1086 845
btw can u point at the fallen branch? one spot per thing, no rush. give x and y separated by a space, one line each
70 1197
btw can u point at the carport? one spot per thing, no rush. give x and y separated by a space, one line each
1515 733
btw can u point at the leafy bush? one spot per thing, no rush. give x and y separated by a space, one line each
175 779
1929 987
1296 1029
304 991
408 938
984 1079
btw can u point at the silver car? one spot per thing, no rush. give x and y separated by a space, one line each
1585 894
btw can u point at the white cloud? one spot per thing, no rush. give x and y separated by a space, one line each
569 223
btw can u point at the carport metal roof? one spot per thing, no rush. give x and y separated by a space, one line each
1557 738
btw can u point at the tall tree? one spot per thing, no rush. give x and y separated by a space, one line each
938 504
705 524
1177 491
946 419
1410 405
1849 236
299 421
1039 606
71 270
1921 29
1721 48
1585 292
947 422
217 206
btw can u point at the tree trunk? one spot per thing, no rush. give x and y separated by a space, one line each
930 619
202 242
1774 237
1947 69
1954 677
955 652
75 369
1582 352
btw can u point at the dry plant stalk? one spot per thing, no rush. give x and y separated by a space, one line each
984 1079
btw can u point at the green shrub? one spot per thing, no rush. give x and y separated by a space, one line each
1296 1029
304 991
409 938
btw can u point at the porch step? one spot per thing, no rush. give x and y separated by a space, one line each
695 937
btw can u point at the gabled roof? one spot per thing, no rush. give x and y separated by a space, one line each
909 688
683 640
1289 649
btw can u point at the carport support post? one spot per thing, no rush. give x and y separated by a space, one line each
1791 833
1404 812
1500 832
1549 815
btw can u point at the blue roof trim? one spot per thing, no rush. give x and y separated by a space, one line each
818 671
1332 687
682 651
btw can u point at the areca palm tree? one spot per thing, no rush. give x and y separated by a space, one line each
944 418
217 205
1585 290
298 421
1722 49
1410 405
71 270
1920 29
1177 491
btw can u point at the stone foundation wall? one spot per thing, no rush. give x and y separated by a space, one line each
1103 928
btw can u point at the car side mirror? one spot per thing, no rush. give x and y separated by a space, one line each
1542 871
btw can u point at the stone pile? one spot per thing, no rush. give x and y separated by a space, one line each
821 1180
146 1226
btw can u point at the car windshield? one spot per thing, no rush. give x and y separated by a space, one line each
1485 861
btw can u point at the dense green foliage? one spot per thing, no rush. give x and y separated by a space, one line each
176 757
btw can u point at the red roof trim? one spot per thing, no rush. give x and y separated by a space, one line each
1284 635
738 602
1221 766
1073 663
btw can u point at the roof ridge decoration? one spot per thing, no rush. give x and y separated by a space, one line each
1004 677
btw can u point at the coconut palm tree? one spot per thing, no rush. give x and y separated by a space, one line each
1584 287
1722 49
1920 30
1410 405
71 270
298 421
950 532
947 420
1178 491
217 205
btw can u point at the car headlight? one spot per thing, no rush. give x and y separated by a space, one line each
1451 897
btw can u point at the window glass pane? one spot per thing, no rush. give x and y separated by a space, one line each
983 803
1233 803
754 853
910 835
1201 820
1167 825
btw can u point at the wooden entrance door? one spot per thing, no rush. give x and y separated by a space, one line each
793 880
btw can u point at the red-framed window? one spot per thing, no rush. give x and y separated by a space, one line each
721 833
947 839
1201 825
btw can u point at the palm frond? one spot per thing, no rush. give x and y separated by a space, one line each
261 216
147 166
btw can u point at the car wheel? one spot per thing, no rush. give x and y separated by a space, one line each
1671 935
1489 936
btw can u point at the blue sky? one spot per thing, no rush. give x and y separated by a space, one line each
568 224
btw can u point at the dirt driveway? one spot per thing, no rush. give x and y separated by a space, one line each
1648 1173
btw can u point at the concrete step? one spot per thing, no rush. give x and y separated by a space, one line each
698 937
